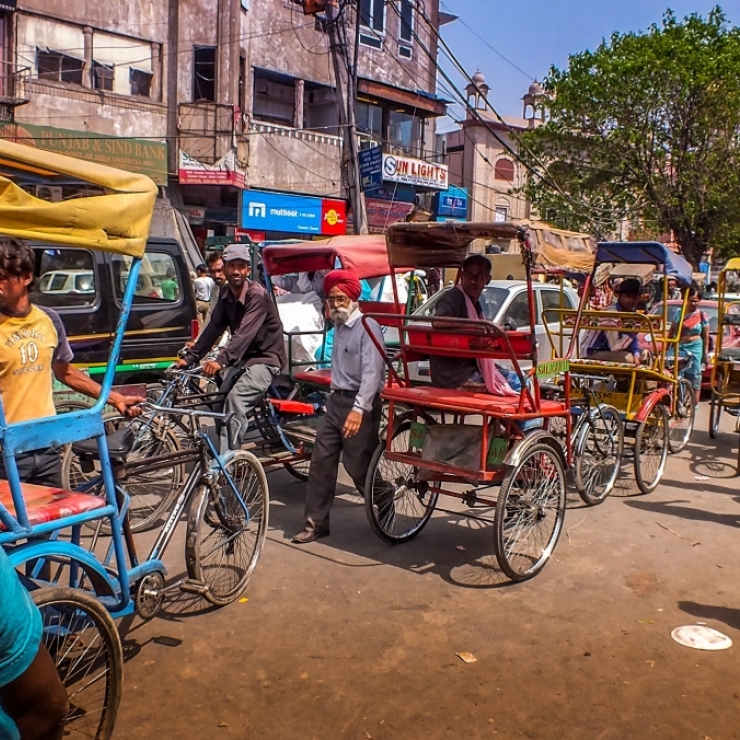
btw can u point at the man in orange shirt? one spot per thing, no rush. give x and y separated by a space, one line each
33 345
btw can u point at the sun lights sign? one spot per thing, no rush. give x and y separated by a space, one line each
415 172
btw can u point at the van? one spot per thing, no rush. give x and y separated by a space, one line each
85 288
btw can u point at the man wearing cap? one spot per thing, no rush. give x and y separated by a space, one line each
256 346
613 346
353 411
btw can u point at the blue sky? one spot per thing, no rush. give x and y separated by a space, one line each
534 34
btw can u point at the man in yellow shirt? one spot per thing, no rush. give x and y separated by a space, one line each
33 345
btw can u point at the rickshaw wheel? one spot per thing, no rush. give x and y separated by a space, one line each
530 512
398 505
651 448
597 454
222 546
83 642
299 468
682 424
715 412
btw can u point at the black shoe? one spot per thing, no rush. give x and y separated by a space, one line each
310 533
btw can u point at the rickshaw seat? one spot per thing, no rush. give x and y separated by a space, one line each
316 377
730 354
610 367
466 401
289 406
49 504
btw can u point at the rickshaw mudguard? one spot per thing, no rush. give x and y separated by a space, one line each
540 436
93 569
650 403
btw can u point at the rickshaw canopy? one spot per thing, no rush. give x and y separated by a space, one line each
646 253
440 244
117 221
732 264
364 254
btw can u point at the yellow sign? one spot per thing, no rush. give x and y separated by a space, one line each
552 368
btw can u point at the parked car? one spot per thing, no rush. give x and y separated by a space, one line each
504 302
86 288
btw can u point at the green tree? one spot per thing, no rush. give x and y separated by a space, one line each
646 127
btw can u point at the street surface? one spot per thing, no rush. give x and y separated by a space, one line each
352 638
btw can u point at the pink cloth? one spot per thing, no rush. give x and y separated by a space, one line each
496 383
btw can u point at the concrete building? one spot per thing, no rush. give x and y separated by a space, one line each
214 98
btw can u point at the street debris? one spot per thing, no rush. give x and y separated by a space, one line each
467 657
680 537
701 637
645 621
460 548
243 600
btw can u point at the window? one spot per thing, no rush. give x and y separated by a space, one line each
551 299
406 32
141 82
404 131
274 98
372 18
204 73
102 76
370 119
158 278
517 314
58 67
66 278
504 170
501 214
242 92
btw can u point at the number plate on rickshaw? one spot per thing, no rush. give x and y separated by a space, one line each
417 436
552 367
497 452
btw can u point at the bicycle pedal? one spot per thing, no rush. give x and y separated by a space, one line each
195 587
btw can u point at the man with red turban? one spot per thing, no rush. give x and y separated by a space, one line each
353 410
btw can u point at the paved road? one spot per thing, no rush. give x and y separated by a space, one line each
351 638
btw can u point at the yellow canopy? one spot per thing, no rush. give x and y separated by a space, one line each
115 222
732 264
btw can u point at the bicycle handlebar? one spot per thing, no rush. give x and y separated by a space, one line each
180 411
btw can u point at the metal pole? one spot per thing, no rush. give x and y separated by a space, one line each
346 96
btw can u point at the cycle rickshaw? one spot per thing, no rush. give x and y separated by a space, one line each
45 530
439 440
725 381
655 403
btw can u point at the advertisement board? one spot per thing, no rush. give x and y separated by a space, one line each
410 171
452 203
371 168
226 171
293 214
382 213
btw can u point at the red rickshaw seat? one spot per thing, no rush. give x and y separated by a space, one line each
48 504
316 377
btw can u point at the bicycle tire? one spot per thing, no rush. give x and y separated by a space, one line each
220 526
597 453
680 431
68 616
299 469
715 413
652 435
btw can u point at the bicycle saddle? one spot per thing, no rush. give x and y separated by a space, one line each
120 443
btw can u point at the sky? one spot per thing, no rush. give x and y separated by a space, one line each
535 34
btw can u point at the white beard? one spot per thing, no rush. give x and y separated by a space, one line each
340 315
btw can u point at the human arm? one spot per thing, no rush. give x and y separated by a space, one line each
217 324
372 374
705 340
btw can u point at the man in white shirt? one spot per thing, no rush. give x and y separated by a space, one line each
203 286
353 411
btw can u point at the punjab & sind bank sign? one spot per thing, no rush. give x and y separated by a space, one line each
144 156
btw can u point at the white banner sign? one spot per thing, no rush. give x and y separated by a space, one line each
415 172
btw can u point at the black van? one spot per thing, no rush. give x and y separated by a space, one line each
86 287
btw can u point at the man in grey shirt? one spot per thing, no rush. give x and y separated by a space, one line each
353 411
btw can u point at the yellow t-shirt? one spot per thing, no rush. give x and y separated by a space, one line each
28 346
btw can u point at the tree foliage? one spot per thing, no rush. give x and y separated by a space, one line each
646 127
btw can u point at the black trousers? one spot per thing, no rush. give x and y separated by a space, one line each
355 451
41 467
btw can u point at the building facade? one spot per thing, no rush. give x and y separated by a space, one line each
218 98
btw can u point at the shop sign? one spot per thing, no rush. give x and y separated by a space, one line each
451 204
294 214
415 172
394 191
195 214
371 168
226 171
144 156
382 213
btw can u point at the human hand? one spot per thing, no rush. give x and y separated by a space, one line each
127 405
352 423
181 364
211 368
279 291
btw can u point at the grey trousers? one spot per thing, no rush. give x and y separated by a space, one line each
242 399
356 453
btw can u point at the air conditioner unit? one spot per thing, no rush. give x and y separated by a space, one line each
49 192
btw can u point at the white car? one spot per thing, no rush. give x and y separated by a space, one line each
504 302
66 282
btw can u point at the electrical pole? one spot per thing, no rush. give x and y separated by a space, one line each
336 21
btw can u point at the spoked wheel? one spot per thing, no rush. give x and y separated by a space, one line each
299 468
651 448
597 454
398 505
682 422
151 491
530 512
83 642
715 412
224 541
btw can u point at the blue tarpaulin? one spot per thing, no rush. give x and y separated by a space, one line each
646 253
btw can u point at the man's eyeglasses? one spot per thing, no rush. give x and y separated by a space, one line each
338 300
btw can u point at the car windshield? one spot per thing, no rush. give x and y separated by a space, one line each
674 314
491 301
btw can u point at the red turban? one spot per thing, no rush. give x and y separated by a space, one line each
345 281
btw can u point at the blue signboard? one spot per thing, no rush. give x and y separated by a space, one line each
453 203
371 165
295 214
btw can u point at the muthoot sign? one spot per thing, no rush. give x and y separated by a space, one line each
409 171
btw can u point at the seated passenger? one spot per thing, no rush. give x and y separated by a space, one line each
463 302
615 346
